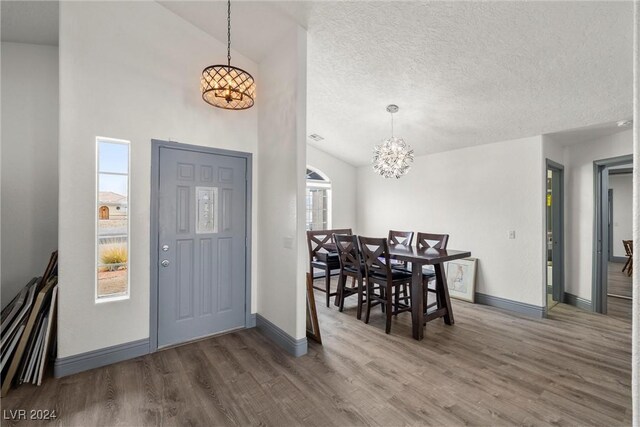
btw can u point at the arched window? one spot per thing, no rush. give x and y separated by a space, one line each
318 200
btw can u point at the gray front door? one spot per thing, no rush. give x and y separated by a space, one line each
201 244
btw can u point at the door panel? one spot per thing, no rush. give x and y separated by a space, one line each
201 275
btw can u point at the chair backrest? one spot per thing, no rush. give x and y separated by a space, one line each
348 251
431 240
628 247
375 252
404 238
322 240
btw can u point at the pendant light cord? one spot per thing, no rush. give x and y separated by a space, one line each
391 125
229 33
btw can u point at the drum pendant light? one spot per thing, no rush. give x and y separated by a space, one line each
228 87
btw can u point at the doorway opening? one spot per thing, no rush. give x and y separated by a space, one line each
611 292
554 285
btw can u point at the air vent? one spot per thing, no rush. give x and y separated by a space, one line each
316 137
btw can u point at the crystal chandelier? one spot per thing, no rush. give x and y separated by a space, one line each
227 87
393 157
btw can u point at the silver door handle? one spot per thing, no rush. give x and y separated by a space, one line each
165 263
165 248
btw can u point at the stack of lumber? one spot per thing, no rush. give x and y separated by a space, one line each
27 330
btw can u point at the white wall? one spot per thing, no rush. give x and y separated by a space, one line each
281 177
128 70
476 195
578 161
29 162
622 186
343 178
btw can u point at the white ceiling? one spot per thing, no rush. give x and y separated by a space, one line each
256 26
33 22
463 73
586 134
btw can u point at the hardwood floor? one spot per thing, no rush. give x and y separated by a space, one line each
490 368
619 284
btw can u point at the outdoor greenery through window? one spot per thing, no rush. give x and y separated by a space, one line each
318 201
112 216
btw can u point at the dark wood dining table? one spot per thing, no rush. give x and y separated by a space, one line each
419 258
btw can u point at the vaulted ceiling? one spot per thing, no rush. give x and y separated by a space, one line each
463 73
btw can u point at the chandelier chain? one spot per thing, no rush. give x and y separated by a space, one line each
229 33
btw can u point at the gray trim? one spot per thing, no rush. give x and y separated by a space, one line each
619 259
609 223
600 265
97 358
291 345
575 301
156 145
251 320
621 171
558 256
507 304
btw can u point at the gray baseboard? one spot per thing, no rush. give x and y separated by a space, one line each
291 345
250 320
97 358
618 259
576 301
507 304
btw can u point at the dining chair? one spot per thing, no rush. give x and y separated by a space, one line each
436 241
323 256
350 266
382 280
628 248
404 238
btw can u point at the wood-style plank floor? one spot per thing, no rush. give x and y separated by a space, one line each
619 284
490 368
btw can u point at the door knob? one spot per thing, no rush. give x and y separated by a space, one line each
165 248
165 263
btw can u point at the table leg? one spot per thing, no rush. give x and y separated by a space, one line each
417 310
443 292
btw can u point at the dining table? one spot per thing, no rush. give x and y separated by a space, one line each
418 258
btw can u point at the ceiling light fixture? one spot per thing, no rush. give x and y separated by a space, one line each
392 158
227 87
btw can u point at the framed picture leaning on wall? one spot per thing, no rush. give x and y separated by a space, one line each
461 278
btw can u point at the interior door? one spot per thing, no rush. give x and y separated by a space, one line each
201 244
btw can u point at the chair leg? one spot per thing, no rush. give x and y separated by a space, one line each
383 295
360 291
327 285
366 318
397 302
340 292
388 303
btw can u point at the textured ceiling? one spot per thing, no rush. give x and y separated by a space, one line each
33 22
463 73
